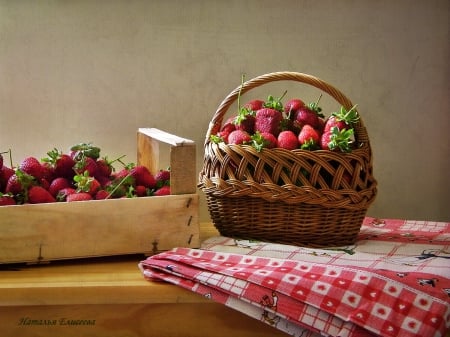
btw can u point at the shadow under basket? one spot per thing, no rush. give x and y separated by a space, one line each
299 197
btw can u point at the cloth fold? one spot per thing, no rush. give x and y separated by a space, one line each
387 284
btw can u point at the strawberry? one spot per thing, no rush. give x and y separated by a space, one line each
58 184
63 193
104 181
7 199
342 120
165 190
337 140
263 140
102 194
220 137
239 137
48 172
33 167
304 116
86 183
287 140
62 164
270 139
268 120
143 177
104 168
79 196
44 183
122 174
86 164
19 182
162 178
245 122
5 173
309 138
1 161
254 105
39 195
292 106
229 125
141 191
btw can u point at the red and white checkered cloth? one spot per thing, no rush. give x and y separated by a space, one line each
395 281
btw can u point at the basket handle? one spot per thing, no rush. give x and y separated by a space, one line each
216 122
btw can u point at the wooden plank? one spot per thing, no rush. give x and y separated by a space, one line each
45 232
183 166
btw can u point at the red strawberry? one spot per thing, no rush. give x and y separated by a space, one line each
44 183
58 184
104 168
309 138
229 125
254 105
246 123
1 161
342 120
86 164
143 176
122 174
63 193
305 116
5 173
86 183
64 167
292 106
337 140
102 194
104 181
39 195
48 171
162 177
62 164
79 196
33 167
268 120
7 200
221 136
239 137
141 191
165 190
287 140
18 182
270 139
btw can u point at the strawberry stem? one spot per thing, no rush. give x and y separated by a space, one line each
239 93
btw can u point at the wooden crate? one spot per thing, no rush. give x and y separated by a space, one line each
55 231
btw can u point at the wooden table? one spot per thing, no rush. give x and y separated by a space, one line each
109 297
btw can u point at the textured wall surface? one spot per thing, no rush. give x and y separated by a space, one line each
73 71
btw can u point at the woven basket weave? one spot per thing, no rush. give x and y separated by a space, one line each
257 195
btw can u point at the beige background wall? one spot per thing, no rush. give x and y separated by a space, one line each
73 71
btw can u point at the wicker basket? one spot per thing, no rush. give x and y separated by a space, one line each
253 195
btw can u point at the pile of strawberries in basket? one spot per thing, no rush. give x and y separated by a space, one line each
79 175
293 125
